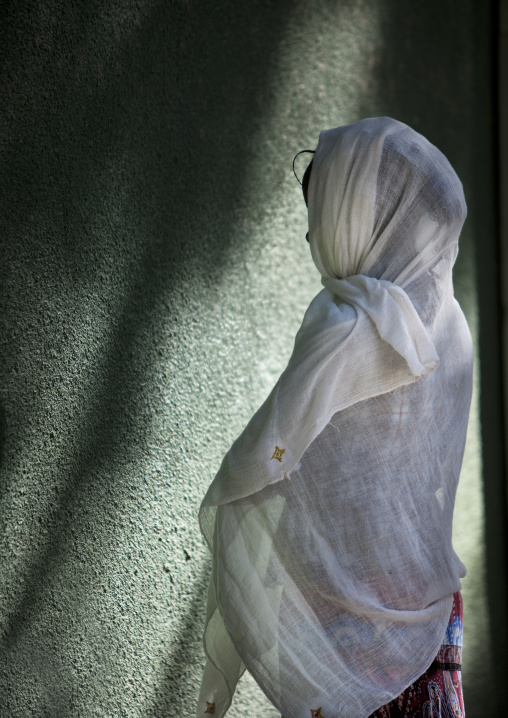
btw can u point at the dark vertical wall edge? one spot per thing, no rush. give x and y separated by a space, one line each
492 268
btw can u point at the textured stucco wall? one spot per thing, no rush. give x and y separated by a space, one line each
153 274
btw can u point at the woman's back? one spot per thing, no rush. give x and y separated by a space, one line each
330 519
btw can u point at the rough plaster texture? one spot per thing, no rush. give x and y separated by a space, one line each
153 275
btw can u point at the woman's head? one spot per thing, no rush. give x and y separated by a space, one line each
383 201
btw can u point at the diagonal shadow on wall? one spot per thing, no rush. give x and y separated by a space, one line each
129 128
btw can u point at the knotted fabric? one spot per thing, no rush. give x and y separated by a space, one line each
329 520
394 316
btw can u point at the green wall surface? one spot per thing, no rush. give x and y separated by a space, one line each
153 274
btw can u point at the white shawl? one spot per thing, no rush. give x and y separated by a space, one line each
334 587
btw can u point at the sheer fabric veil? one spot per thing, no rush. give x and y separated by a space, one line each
330 519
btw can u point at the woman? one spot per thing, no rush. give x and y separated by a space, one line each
334 578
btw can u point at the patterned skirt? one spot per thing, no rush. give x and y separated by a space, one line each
438 692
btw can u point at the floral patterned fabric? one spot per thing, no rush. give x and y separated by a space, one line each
438 692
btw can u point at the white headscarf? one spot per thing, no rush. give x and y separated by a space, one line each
334 588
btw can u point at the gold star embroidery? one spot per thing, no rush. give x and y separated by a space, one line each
277 454
316 713
210 707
